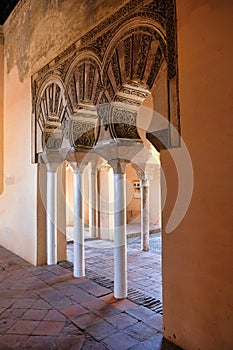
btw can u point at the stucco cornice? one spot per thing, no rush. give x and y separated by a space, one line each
1 35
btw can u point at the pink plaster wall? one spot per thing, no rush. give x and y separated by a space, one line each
133 209
18 200
197 255
1 110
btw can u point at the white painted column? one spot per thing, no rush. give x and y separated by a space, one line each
92 200
145 174
79 259
61 214
53 160
145 215
120 241
51 212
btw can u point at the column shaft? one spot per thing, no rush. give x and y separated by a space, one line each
51 223
79 263
120 244
92 204
145 215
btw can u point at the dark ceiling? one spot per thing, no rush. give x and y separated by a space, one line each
6 6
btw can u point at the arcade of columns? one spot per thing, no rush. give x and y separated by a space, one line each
85 109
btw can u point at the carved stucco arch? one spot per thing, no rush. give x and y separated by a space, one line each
131 63
87 65
52 115
83 89
96 48
135 25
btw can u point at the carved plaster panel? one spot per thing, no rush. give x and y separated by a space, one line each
52 117
83 129
116 62
123 123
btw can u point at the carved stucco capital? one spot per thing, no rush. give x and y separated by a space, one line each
95 164
144 172
52 159
78 159
78 167
83 126
118 165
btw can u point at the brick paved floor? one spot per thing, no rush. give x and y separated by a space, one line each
47 308
144 268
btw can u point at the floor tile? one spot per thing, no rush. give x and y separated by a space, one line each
57 270
140 331
73 311
154 342
62 303
23 327
25 303
12 341
13 314
5 324
54 315
86 320
6 303
101 330
71 342
94 304
71 329
82 297
119 341
35 315
122 320
109 298
124 304
140 312
155 321
139 346
49 328
37 342
91 344
41 305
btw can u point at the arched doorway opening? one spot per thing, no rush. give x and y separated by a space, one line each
119 92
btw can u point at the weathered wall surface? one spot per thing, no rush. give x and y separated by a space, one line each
38 30
197 256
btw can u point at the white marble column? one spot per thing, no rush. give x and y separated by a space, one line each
145 214
51 210
92 182
120 240
79 259
53 160
145 175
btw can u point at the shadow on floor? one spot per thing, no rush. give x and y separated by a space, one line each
46 308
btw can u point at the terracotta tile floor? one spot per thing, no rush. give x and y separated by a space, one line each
47 308
144 268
